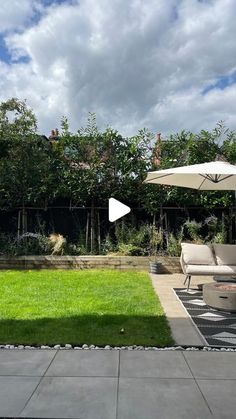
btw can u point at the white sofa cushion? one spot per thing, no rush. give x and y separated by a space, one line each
210 270
225 254
197 254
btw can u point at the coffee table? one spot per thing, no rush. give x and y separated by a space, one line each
220 295
225 278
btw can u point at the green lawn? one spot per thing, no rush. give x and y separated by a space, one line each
89 306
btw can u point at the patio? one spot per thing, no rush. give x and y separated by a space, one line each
183 330
103 384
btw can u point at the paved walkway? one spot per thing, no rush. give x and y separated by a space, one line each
114 384
183 330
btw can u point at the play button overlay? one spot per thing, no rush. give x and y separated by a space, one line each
117 210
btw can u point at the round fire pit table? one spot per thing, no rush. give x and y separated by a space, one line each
221 295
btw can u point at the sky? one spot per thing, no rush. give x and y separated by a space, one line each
166 65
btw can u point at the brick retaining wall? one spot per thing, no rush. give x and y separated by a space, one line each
168 264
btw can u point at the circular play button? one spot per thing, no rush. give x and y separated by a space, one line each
117 209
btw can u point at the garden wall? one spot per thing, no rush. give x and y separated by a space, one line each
168 264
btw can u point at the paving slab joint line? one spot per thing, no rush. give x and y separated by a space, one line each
204 398
118 383
50 363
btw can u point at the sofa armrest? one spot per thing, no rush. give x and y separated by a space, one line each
183 265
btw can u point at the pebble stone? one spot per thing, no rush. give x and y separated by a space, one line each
85 346
129 348
68 346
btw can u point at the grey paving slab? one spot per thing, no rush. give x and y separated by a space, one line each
221 397
74 397
154 364
85 363
212 364
25 362
14 394
183 330
155 398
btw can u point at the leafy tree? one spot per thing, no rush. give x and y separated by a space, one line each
88 167
24 160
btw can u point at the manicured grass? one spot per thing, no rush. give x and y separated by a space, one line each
90 306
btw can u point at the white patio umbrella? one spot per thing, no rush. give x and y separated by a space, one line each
216 175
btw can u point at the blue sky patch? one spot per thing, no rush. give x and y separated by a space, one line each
55 2
5 56
221 83
46 3
24 59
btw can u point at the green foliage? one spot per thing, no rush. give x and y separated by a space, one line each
93 163
133 241
211 230
143 240
194 230
38 245
220 237
86 167
191 230
108 245
128 249
173 247
29 244
16 119
75 249
7 244
216 230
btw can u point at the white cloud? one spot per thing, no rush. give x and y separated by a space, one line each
134 63
14 14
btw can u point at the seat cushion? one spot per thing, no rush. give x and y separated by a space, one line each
210 270
225 254
197 254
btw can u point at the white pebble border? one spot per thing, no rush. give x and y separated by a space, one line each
128 348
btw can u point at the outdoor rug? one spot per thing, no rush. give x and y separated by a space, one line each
218 328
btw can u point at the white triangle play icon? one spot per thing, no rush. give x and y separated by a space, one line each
117 209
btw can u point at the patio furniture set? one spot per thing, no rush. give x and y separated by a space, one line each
218 260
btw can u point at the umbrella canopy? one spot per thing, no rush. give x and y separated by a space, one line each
216 175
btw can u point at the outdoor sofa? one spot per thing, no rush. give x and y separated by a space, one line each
203 259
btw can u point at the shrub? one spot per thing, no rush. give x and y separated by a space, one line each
74 249
174 243
32 244
7 245
194 231
216 230
129 250
27 244
145 240
107 246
